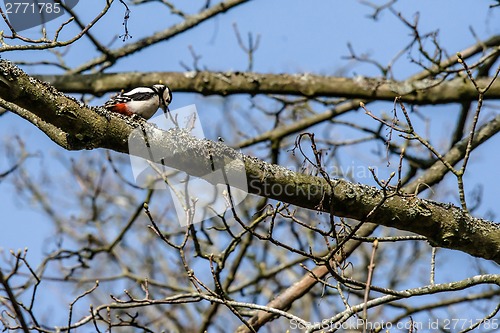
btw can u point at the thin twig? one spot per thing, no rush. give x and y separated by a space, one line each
371 267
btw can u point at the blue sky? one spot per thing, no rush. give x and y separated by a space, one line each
295 37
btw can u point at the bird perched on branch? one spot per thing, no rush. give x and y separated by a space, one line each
141 101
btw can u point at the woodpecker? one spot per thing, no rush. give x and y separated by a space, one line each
142 101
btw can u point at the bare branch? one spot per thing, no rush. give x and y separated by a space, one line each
422 92
351 200
44 44
189 23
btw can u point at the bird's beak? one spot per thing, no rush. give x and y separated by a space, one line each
165 109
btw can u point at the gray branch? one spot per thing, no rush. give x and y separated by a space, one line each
75 126
415 91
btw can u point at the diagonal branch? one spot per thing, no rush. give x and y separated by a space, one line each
43 43
190 22
15 303
82 127
432 176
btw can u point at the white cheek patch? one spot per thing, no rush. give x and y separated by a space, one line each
167 97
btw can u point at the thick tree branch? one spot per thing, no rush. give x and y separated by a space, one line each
82 127
430 177
424 91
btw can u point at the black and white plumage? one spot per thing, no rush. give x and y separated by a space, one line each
142 101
